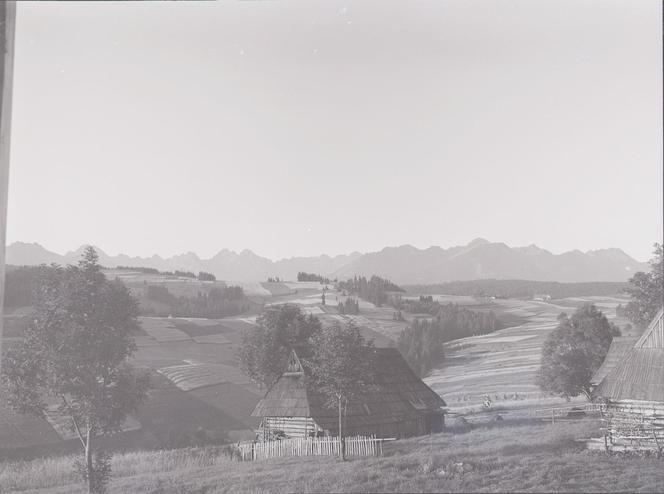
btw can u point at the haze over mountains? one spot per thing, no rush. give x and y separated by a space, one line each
480 259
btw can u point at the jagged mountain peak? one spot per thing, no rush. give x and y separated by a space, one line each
533 250
407 248
478 241
402 264
81 250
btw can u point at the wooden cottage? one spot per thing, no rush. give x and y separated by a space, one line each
633 392
397 404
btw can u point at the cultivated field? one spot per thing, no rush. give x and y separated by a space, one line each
177 285
502 365
198 385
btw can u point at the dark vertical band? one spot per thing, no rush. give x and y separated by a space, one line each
7 26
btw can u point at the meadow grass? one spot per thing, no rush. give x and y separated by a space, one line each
518 456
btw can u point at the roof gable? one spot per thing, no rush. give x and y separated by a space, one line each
294 366
653 336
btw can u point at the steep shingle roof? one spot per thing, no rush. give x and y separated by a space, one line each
639 374
620 346
395 394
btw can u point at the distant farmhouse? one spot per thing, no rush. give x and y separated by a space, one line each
631 384
397 404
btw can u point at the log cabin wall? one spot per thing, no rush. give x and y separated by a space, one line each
307 427
632 425
290 426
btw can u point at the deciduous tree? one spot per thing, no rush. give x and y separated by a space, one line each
646 290
574 351
75 356
339 367
265 349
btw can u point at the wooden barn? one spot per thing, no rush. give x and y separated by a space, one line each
397 404
632 390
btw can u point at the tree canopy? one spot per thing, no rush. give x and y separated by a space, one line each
217 302
338 366
646 290
75 354
279 329
574 351
19 285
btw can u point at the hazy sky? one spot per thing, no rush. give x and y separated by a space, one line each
301 128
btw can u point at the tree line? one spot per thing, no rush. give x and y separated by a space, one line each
375 290
350 306
20 282
421 343
202 275
214 304
302 276
425 304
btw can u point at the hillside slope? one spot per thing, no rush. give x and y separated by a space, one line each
524 456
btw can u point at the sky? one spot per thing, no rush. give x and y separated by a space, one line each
309 127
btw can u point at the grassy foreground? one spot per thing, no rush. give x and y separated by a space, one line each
506 457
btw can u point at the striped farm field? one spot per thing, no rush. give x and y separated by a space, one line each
502 365
277 289
162 329
193 375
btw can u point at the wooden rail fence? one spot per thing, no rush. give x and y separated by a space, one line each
561 412
309 446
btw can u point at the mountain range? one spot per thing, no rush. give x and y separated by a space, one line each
480 259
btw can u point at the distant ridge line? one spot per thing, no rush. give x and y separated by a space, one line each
479 259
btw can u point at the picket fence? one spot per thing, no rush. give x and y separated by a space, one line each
308 446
